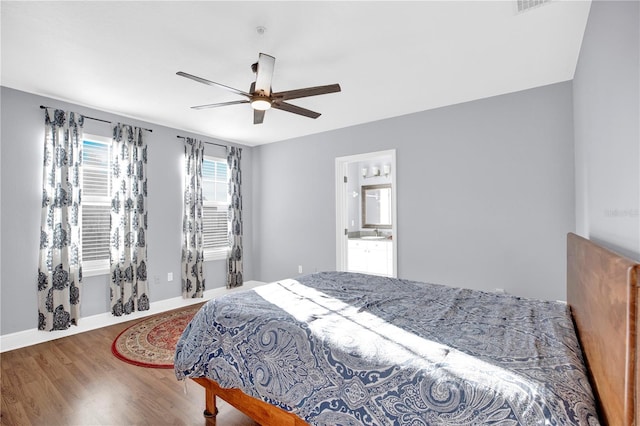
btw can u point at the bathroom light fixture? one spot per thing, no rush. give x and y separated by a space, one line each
376 171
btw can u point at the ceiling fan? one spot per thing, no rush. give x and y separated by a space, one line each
260 95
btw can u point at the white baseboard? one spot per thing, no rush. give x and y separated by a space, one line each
34 336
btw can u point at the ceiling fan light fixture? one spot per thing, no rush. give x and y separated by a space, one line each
260 95
261 103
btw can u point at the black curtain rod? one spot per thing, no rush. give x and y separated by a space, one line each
96 119
210 143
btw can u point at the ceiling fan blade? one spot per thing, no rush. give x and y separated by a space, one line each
264 74
258 116
309 91
295 109
220 104
212 83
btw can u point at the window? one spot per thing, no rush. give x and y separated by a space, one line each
96 204
215 207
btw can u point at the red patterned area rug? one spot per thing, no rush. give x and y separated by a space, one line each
152 342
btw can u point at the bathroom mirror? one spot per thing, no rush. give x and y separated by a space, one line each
376 206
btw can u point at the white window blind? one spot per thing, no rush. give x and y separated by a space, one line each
215 207
96 203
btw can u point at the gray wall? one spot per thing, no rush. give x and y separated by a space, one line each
485 194
22 137
485 189
607 133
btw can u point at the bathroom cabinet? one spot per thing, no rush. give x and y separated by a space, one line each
370 256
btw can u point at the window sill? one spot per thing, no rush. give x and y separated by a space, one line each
92 268
92 272
215 255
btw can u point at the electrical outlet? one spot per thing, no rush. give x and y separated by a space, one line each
299 269
170 276
156 279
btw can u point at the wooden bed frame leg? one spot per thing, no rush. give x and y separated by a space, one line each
210 402
262 412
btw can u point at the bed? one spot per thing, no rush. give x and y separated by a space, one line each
352 349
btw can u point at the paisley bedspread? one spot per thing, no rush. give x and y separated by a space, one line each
340 348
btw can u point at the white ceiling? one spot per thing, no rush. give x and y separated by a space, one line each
391 58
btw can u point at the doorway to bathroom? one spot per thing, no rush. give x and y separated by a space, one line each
366 219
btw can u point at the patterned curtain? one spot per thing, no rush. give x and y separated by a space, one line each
234 260
192 248
60 266
129 285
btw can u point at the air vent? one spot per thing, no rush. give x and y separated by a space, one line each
524 5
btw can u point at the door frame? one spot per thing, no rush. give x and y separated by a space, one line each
342 164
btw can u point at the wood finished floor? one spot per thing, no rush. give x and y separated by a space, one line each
76 380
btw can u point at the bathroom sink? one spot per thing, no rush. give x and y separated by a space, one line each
372 237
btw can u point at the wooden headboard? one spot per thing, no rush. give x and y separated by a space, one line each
603 293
